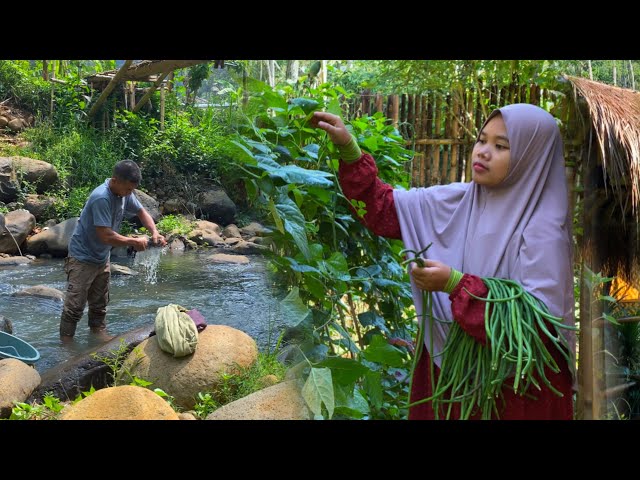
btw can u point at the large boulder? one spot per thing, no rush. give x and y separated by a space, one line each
40 206
11 261
17 381
215 205
126 402
220 349
202 237
41 175
207 226
41 291
150 204
254 229
54 240
18 224
226 258
282 401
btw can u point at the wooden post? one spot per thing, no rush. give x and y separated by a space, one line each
162 106
132 95
108 89
590 373
379 103
150 91
366 101
395 112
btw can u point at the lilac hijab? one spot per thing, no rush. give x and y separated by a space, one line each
519 229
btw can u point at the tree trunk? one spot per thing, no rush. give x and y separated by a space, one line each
292 70
271 72
633 80
590 70
615 72
45 70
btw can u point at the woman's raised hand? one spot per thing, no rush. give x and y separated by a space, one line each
333 125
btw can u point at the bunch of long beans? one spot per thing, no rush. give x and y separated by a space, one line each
473 374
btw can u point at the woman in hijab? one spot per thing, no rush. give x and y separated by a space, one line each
511 221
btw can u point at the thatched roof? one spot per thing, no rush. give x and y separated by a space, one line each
615 118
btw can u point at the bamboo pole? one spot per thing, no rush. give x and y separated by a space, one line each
416 119
107 91
446 153
436 141
411 117
428 134
150 91
425 150
469 116
403 115
455 103
435 171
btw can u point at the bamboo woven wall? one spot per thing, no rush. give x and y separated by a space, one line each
441 128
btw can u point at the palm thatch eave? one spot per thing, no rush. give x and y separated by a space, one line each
615 119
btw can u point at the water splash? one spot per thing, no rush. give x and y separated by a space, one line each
148 261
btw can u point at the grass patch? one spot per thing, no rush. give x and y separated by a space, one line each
235 386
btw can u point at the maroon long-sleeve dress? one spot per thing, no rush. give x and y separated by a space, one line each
359 180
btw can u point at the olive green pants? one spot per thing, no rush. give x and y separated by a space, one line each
86 282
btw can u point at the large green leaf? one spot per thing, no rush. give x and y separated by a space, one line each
315 286
307 105
345 371
337 267
296 174
373 388
381 352
297 267
312 150
371 319
261 147
293 222
294 311
350 403
268 164
246 151
318 390
334 107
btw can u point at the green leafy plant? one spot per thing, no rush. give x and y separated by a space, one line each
49 409
349 295
172 224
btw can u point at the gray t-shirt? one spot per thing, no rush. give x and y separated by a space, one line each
103 209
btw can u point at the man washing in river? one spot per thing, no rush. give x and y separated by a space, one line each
87 265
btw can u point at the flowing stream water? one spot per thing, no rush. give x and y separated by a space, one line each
240 296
